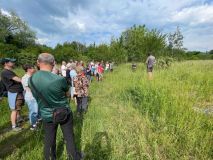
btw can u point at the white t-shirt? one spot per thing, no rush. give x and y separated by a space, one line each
63 70
28 94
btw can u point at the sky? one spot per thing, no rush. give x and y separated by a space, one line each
89 21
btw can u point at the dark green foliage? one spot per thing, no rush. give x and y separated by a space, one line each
26 58
138 41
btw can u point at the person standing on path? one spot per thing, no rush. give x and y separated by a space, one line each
14 89
150 61
54 108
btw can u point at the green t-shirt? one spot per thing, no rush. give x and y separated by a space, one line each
53 88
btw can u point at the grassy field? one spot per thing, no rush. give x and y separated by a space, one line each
131 118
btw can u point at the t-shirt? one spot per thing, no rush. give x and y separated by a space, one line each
100 69
150 61
88 71
63 70
28 94
11 85
53 88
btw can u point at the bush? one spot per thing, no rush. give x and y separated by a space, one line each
164 62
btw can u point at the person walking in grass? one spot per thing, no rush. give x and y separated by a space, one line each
29 99
100 71
107 66
111 66
81 84
150 61
51 92
15 91
89 73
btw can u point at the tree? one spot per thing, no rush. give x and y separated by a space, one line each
13 30
139 40
176 40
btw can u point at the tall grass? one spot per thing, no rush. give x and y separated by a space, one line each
131 118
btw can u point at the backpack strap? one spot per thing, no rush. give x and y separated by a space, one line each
39 93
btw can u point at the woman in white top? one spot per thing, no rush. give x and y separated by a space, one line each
63 69
29 99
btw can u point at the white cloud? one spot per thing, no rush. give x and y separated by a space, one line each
195 15
42 40
5 12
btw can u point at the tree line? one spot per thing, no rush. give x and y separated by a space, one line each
18 40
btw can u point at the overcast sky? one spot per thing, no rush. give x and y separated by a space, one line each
88 21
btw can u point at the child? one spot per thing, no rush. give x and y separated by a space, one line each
29 99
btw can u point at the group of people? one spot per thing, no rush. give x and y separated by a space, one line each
92 70
47 91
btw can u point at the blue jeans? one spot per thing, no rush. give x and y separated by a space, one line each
33 110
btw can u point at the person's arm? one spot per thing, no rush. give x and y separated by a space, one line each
12 76
147 60
68 94
154 61
17 79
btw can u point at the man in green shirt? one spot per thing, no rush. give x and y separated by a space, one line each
54 89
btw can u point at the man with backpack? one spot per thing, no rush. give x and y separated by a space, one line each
14 90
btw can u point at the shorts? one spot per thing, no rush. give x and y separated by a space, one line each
149 69
15 100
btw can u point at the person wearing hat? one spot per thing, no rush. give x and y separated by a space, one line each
15 90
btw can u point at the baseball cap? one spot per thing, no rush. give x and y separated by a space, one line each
6 60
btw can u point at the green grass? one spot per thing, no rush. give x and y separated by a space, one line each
131 118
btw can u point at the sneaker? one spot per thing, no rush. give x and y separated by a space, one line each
33 128
16 129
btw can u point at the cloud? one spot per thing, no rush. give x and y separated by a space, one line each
97 21
4 12
194 15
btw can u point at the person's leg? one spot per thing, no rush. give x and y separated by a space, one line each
50 130
150 75
12 104
13 117
84 103
67 129
19 103
34 112
72 92
30 111
79 104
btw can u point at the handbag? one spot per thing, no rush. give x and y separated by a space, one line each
60 114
